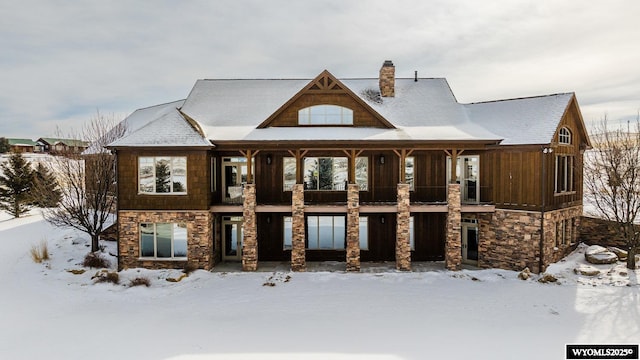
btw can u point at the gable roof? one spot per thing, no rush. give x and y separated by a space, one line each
169 129
425 109
68 142
531 120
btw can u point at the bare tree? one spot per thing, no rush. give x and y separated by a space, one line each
88 181
612 180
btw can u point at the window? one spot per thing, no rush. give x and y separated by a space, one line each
163 240
288 173
213 175
564 136
468 176
162 174
328 173
564 232
326 233
325 115
564 173
364 233
409 163
412 236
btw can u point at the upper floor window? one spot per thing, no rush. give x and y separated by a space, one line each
564 173
564 136
332 173
162 174
468 176
409 165
325 115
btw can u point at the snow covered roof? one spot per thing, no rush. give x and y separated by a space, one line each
169 129
21 142
422 110
530 120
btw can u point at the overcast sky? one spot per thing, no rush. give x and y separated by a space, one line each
61 61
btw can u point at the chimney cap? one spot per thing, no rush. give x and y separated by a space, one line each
388 63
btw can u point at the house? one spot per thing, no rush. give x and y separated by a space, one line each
350 170
22 145
61 146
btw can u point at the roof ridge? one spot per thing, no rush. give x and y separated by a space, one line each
519 98
162 104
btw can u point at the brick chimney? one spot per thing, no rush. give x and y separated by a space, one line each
387 79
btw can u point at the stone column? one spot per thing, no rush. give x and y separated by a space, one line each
250 239
453 244
403 244
353 227
298 261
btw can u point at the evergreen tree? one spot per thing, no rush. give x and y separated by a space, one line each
4 145
46 192
16 182
163 173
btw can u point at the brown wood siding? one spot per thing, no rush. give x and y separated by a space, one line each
430 235
361 115
198 182
430 177
510 178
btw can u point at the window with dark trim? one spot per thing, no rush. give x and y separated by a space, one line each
564 173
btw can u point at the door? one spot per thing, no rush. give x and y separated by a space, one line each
470 241
467 175
234 172
232 238
470 193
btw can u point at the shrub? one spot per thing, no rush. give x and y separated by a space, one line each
105 276
94 260
40 253
140 281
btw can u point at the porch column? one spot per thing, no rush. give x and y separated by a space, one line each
453 244
298 261
403 245
250 239
353 227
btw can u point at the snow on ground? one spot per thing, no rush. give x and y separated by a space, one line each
50 313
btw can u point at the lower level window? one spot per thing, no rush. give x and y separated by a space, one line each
325 233
163 240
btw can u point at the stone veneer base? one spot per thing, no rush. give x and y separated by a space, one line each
199 238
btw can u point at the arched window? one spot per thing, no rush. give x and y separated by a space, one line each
325 115
564 136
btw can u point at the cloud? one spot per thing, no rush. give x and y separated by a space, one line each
63 60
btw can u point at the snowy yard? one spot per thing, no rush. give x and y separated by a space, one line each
50 313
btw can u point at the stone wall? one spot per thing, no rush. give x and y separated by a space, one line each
554 250
249 230
510 239
594 231
298 256
453 242
403 244
199 238
353 227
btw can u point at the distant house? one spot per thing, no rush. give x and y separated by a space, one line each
61 146
351 170
22 145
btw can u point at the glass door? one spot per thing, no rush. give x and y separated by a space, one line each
467 175
470 241
232 238
234 172
470 193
